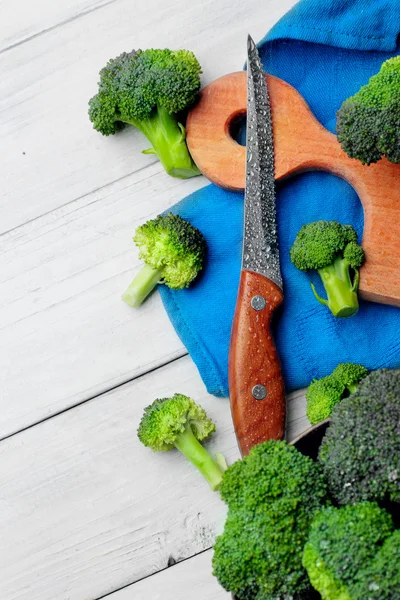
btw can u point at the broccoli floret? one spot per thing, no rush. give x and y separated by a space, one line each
360 452
323 394
147 89
272 495
179 422
343 545
173 251
368 122
331 249
381 580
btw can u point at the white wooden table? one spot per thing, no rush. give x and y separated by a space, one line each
85 510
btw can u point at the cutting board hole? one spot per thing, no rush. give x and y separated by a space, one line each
237 128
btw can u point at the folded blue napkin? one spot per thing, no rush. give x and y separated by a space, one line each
326 49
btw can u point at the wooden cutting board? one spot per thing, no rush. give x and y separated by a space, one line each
302 144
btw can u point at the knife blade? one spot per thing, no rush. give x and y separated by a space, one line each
256 386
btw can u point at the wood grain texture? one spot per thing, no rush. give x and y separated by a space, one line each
188 580
303 144
66 335
253 360
52 155
34 19
86 509
82 513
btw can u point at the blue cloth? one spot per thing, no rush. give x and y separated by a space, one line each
326 49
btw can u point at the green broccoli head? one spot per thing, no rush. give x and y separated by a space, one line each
343 545
136 83
323 394
368 122
147 89
179 422
164 420
272 495
349 375
173 246
354 255
173 251
381 580
318 244
331 249
360 452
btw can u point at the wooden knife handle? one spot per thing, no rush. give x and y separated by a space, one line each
254 364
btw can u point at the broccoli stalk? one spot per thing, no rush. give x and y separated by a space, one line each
168 141
173 252
323 394
144 283
341 291
179 422
331 249
148 89
187 443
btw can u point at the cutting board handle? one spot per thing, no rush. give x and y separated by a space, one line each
302 144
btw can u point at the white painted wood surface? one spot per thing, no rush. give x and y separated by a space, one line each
65 333
72 201
85 510
47 81
188 580
26 20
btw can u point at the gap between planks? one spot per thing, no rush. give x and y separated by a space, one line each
101 393
52 153
77 200
85 11
66 334
87 510
190 579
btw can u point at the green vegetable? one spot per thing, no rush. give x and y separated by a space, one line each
344 556
173 252
368 122
382 578
147 89
272 495
323 394
332 250
179 422
360 452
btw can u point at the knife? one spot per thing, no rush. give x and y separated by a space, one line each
256 386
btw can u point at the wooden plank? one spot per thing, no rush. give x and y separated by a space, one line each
52 155
86 509
19 26
65 333
191 579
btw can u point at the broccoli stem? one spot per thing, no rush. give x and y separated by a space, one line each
144 282
352 388
168 140
341 291
187 443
